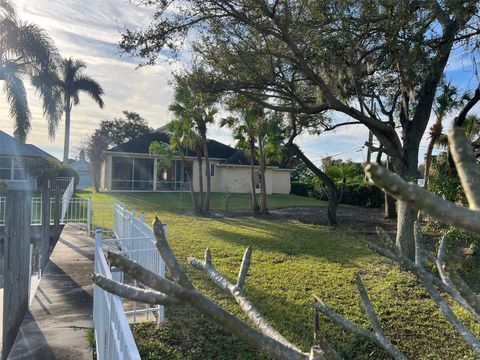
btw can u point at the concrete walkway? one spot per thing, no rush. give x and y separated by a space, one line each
54 327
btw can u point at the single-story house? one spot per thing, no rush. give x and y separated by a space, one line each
82 167
130 167
13 156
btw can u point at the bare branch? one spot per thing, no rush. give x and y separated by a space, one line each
134 293
422 200
166 252
377 338
467 166
460 119
215 312
243 267
452 279
236 292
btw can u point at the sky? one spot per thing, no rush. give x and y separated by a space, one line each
90 30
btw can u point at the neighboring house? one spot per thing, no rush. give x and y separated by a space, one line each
130 167
82 168
13 158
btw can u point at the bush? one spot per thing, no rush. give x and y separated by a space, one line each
67 171
360 194
363 194
301 189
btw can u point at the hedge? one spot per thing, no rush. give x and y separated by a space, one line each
360 194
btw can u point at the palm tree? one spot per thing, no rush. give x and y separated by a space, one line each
71 81
27 51
445 102
196 108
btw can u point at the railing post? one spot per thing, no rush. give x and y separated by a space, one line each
89 215
142 217
98 240
45 221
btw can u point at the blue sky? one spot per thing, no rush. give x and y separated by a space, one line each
90 29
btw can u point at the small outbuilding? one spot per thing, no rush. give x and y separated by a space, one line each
82 167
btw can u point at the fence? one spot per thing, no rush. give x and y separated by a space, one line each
134 239
113 337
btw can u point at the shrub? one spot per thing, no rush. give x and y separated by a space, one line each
301 189
363 194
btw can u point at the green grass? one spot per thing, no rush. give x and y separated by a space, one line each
291 261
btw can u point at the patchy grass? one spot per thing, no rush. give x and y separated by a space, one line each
291 261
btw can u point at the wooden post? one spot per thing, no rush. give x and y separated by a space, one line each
45 243
57 212
16 265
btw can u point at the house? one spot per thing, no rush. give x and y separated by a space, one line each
13 162
82 167
130 167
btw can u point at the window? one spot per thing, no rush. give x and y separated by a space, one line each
212 170
19 171
12 169
5 168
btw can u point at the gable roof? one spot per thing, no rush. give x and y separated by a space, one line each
10 146
141 145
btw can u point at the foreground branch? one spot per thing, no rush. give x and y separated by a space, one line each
236 292
422 200
215 312
467 166
134 293
378 336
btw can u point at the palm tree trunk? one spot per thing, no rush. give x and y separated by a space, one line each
66 144
200 181
435 134
255 206
263 187
206 203
190 184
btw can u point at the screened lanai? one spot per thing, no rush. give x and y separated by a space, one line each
148 174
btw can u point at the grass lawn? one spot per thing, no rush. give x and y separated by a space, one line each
291 261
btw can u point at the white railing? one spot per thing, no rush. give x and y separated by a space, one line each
60 183
136 240
113 337
66 197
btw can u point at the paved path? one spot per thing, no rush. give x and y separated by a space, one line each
54 327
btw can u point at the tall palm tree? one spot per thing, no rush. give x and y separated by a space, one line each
71 81
27 51
195 107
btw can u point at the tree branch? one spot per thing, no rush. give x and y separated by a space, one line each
215 312
422 200
467 166
134 293
166 252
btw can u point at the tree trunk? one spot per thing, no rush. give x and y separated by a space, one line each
200 182
435 132
263 187
333 197
66 143
390 202
192 190
254 201
406 216
206 203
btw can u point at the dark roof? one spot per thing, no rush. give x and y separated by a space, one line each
238 158
141 145
10 146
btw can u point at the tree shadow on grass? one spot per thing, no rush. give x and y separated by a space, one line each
290 239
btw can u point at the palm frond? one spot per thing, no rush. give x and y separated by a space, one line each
19 111
36 47
86 84
46 84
